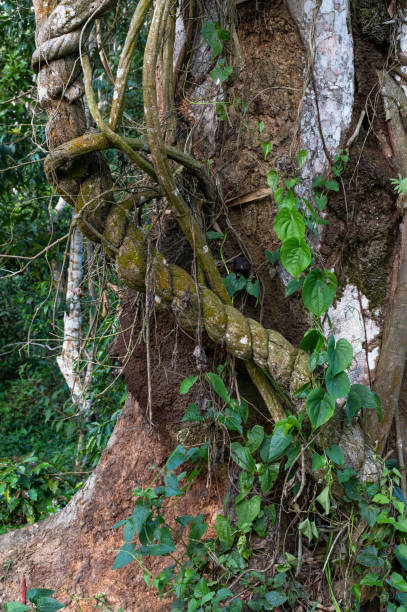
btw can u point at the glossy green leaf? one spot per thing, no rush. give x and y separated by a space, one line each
372 580
313 340
48 604
187 383
275 445
224 530
268 478
15 606
255 437
398 582
320 407
295 256
337 386
289 223
125 556
335 454
247 511
242 456
340 355
211 235
319 290
253 288
219 386
35 594
234 283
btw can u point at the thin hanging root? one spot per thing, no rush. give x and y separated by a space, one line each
123 68
90 182
189 225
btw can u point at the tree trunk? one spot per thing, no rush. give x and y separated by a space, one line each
295 71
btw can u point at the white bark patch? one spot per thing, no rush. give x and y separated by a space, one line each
402 48
203 109
355 326
334 80
180 35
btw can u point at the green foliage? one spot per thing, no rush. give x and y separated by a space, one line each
216 573
235 283
214 36
400 184
31 489
41 600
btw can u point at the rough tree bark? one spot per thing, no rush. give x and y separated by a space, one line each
296 67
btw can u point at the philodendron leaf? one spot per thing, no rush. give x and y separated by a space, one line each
337 386
289 223
274 446
187 383
255 437
221 72
295 256
224 530
248 510
126 555
219 386
313 340
48 604
340 355
242 456
320 407
319 290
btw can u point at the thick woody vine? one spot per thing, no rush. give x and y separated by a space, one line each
76 168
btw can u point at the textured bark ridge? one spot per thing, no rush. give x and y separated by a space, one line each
73 551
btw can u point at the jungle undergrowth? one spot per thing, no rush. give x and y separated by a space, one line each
359 528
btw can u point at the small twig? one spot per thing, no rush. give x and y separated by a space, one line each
355 134
332 547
